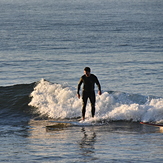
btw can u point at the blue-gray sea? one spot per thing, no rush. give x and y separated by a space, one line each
44 47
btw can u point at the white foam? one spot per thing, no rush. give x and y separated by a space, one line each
60 101
154 110
54 100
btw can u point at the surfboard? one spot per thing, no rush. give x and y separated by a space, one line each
152 124
59 125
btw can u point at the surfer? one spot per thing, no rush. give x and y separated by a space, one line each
88 81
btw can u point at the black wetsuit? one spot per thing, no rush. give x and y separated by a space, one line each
88 91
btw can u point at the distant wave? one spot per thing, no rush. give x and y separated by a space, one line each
43 99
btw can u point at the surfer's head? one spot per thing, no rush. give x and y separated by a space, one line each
87 71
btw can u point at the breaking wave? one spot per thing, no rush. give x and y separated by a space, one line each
46 100
60 102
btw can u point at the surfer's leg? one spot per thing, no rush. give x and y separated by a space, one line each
84 98
92 100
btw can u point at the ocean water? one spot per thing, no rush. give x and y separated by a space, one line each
45 46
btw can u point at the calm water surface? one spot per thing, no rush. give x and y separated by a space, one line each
114 142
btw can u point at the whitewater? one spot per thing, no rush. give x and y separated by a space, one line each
60 102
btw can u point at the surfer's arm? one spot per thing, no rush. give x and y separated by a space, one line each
78 89
99 86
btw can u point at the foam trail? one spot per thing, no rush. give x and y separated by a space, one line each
60 101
